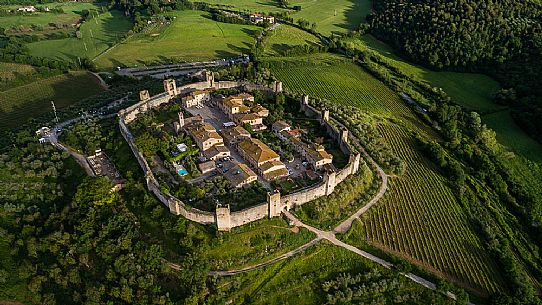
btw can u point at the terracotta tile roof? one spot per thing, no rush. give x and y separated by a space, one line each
240 174
257 150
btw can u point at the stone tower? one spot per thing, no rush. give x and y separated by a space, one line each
144 95
344 136
273 201
210 79
330 181
223 218
277 86
303 102
355 166
325 115
170 87
181 119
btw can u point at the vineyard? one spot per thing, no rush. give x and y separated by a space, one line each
9 71
341 81
420 220
21 103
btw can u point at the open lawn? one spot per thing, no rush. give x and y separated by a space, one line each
98 34
332 16
192 36
24 102
23 22
284 37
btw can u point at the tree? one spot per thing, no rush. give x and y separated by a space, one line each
95 192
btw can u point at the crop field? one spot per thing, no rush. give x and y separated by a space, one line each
98 34
284 37
255 243
192 36
25 22
420 220
474 91
21 103
332 16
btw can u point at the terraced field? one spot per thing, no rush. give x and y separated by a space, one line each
21 103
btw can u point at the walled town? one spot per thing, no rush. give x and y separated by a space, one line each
230 153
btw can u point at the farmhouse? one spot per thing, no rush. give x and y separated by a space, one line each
263 158
27 9
240 175
259 18
195 98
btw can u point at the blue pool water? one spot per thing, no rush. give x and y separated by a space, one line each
182 172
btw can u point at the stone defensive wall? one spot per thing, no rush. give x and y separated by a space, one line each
275 203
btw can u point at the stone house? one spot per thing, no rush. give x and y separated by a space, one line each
195 99
240 175
234 135
264 159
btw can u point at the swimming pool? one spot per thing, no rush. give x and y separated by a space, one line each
181 171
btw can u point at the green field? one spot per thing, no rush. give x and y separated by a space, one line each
70 16
333 16
192 36
254 243
98 34
249 6
284 37
471 90
24 102
409 220
300 280
509 134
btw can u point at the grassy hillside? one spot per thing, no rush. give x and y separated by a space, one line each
473 91
192 36
19 104
300 280
333 15
24 22
284 37
409 220
247 5
97 35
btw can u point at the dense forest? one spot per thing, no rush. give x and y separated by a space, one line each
501 38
